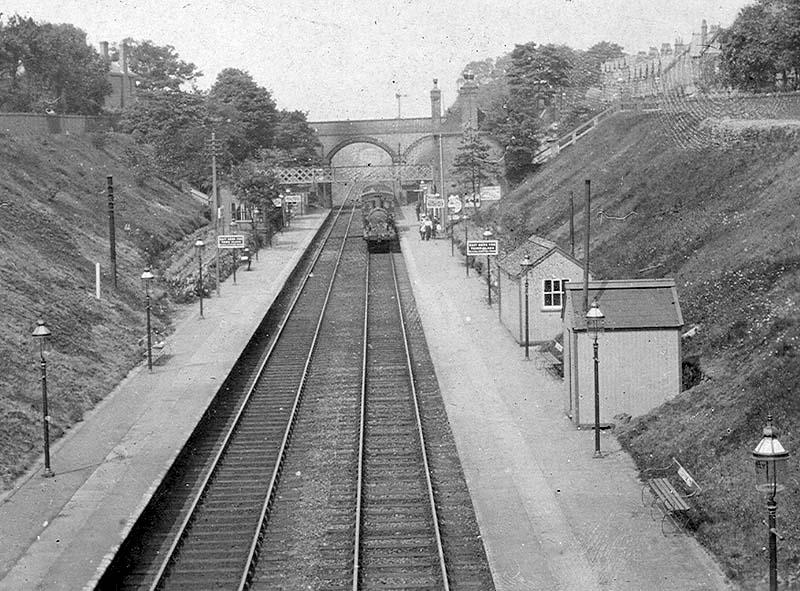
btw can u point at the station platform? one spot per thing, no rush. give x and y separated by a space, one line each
551 516
60 533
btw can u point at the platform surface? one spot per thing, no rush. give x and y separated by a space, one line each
59 533
551 516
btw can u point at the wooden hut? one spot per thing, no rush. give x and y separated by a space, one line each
639 348
551 269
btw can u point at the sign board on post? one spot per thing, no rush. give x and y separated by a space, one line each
473 200
481 247
490 193
292 199
454 203
433 201
230 241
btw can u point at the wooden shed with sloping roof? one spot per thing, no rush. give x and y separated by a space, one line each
639 348
551 269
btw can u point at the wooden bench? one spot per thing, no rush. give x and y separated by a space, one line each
670 489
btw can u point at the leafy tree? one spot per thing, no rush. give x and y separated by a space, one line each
748 57
252 107
158 67
490 76
50 67
295 140
761 50
175 125
471 165
255 184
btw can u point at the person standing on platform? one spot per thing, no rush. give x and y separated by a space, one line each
428 228
422 230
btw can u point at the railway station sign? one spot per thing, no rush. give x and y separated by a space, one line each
481 247
490 193
230 241
434 201
293 199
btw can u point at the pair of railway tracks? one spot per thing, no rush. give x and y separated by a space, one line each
350 504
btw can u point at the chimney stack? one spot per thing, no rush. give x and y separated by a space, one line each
104 49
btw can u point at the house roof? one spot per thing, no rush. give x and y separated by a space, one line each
627 304
537 248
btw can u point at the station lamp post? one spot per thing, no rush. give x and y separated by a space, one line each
487 235
198 246
770 460
594 324
41 333
147 277
526 265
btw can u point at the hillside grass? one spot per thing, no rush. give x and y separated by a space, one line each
53 228
716 207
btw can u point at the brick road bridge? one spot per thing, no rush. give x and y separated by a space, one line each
418 149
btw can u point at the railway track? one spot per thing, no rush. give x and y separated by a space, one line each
398 541
351 503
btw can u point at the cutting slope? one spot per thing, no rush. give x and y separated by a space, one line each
721 217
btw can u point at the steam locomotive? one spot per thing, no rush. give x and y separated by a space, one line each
378 216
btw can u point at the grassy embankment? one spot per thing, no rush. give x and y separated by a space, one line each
721 217
54 228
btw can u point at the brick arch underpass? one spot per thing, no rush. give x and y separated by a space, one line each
420 149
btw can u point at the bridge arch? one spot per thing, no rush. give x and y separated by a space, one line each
360 139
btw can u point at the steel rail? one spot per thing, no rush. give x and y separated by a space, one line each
282 454
431 496
170 554
420 437
361 436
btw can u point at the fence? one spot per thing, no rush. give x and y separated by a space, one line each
43 124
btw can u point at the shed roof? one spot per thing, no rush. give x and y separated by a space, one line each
627 304
537 248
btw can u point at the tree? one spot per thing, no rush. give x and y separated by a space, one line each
252 106
471 165
50 67
175 124
295 140
158 67
748 57
761 50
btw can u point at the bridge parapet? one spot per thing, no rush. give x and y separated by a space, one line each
347 174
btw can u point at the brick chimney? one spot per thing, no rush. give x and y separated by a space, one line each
104 49
436 105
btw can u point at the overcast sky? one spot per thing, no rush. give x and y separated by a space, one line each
349 59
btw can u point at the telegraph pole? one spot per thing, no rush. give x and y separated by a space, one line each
111 228
213 147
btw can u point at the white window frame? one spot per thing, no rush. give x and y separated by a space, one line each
554 294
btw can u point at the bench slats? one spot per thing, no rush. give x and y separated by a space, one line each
667 494
673 503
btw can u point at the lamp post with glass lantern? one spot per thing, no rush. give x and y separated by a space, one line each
526 265
770 460
147 277
594 324
42 334
198 246
487 235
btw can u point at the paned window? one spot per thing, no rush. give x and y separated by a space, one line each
553 293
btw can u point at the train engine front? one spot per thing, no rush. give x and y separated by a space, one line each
378 215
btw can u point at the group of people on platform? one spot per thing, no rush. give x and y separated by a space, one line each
429 227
